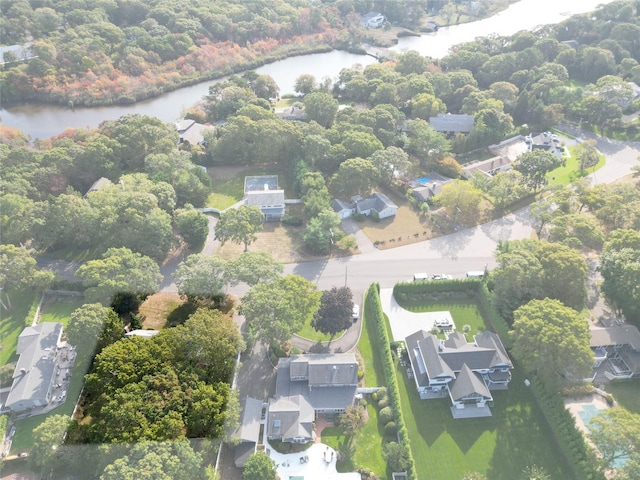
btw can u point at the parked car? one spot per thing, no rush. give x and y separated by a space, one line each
443 323
441 276
355 313
420 277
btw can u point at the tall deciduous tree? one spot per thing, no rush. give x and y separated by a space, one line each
92 327
240 225
334 314
259 467
119 271
355 176
552 340
276 310
192 226
321 107
201 276
18 269
620 268
47 438
534 167
253 268
322 232
393 164
616 434
461 200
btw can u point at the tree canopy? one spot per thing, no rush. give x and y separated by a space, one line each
92 327
259 466
616 434
239 225
201 276
334 314
276 310
552 340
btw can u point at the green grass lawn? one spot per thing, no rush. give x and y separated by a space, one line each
220 201
626 393
499 447
570 172
60 310
373 370
14 320
23 439
310 333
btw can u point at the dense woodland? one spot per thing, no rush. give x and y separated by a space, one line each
97 52
130 226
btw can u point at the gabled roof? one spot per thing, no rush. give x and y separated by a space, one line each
618 335
468 383
456 340
489 339
290 417
333 369
376 201
100 184
339 205
36 366
448 122
249 429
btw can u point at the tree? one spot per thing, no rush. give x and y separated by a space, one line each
393 164
305 84
461 200
47 438
201 276
620 269
534 472
552 340
352 419
425 105
253 268
616 434
334 314
192 226
425 142
396 456
92 327
240 225
321 107
354 176
120 270
322 231
156 461
275 311
534 167
18 269
259 466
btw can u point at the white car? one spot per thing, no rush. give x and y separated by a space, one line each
442 323
356 312
442 276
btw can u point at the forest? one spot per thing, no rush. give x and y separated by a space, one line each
101 52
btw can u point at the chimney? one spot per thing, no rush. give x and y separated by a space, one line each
266 186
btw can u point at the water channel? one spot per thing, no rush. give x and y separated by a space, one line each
43 121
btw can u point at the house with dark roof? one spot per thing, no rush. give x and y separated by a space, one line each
191 132
248 433
263 192
452 123
377 203
465 372
617 351
35 372
306 386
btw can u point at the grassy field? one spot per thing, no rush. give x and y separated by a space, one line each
14 320
571 172
157 308
626 393
23 439
310 333
59 309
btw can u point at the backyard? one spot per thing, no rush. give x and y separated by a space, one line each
15 319
570 172
626 393
59 309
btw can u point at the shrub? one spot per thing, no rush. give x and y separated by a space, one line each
383 403
292 220
390 429
360 374
386 415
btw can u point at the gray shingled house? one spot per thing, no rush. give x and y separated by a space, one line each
263 192
308 385
466 372
35 371
451 123
248 433
617 351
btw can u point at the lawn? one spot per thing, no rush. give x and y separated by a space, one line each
59 309
15 320
23 439
310 333
157 308
404 228
499 447
570 172
626 393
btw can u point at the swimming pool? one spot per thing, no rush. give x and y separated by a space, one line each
586 414
423 180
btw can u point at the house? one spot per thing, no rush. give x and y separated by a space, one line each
377 203
248 433
191 132
36 370
546 141
100 184
636 91
262 191
19 52
306 386
428 186
487 167
617 351
293 113
373 20
450 124
466 372
511 148
141 333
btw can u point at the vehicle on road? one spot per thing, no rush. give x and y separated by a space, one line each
355 313
420 277
441 276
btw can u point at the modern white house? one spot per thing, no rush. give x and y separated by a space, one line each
465 372
36 370
263 192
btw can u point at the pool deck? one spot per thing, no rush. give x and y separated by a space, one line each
594 404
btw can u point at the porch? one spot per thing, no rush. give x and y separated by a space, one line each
471 411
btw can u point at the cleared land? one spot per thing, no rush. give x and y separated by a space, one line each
157 308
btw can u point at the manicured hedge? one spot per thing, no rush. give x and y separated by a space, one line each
581 456
373 311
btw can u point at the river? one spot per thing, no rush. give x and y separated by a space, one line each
43 121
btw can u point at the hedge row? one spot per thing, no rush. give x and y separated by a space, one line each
374 312
581 456
404 291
